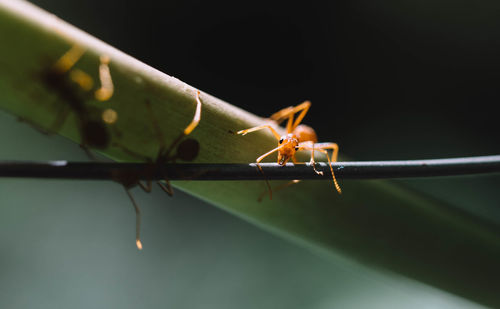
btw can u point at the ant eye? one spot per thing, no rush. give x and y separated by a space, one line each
281 141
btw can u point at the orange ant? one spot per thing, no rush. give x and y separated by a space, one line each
69 84
298 137
187 150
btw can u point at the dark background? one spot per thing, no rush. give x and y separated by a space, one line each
387 79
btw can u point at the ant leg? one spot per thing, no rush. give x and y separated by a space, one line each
279 188
166 187
192 125
321 147
310 145
304 107
156 126
282 114
68 60
106 91
289 112
245 132
161 140
82 79
89 153
59 121
335 148
165 152
196 118
148 187
313 163
137 220
260 169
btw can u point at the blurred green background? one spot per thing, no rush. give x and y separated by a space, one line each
70 244
387 80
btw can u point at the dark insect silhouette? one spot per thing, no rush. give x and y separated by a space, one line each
185 149
72 87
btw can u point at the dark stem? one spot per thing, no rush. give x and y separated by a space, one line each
272 171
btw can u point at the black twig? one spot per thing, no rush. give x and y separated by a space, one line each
344 170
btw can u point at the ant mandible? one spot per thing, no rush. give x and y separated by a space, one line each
187 150
298 137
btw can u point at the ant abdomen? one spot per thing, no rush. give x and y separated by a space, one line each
305 133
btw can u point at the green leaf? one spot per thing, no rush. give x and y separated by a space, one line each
373 222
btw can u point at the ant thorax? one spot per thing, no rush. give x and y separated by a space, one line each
287 148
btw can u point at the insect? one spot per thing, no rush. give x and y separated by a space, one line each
72 85
186 149
298 137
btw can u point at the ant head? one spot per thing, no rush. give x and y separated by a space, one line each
287 147
188 149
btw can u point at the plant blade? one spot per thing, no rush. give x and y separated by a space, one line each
374 222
